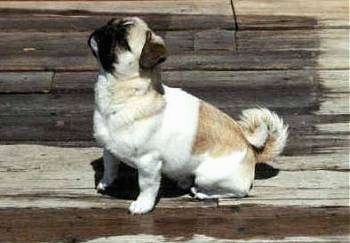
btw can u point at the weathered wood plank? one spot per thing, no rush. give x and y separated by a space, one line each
275 14
30 21
253 223
329 46
215 61
273 40
36 157
335 81
330 80
204 238
312 188
25 82
131 7
42 104
65 82
39 43
331 161
325 49
46 117
55 175
336 103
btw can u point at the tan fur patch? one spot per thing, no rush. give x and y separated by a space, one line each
217 133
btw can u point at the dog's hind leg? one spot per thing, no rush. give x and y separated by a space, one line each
226 176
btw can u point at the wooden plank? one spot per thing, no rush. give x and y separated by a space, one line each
214 40
42 104
329 46
214 61
280 40
74 82
325 49
25 82
330 80
131 7
39 157
30 21
55 50
275 14
335 127
337 103
75 44
55 175
248 224
247 80
46 117
203 238
331 161
335 81
311 188
301 144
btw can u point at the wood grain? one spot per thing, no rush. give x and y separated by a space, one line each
54 176
275 14
206 7
26 82
75 44
330 80
31 21
326 49
168 225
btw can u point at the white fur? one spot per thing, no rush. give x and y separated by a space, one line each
225 176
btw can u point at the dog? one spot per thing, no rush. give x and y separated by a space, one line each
158 129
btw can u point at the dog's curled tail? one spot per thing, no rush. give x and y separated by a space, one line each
265 131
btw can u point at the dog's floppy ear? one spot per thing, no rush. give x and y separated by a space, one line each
153 52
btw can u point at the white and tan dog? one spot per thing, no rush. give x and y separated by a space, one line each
157 129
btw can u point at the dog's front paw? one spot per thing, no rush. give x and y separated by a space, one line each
141 206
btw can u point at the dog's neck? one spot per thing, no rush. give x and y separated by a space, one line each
142 81
132 98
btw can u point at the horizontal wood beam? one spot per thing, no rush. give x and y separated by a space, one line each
296 14
179 7
249 224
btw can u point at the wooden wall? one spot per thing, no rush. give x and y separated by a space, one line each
290 56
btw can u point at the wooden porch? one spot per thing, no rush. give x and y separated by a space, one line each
290 56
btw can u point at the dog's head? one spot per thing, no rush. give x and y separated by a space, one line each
126 46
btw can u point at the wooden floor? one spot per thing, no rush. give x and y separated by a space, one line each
290 56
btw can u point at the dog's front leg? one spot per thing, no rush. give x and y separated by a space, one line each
149 175
110 172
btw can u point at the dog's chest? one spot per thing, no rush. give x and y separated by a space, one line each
127 141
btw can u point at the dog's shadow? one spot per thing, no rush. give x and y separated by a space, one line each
126 185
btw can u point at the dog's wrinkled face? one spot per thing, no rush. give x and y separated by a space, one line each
123 47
